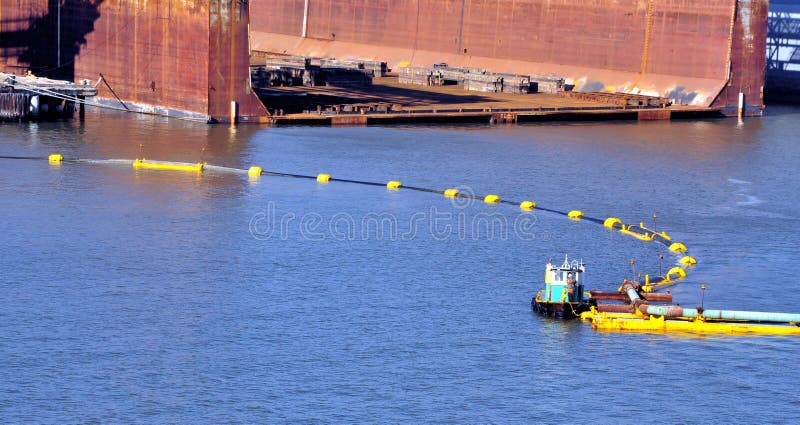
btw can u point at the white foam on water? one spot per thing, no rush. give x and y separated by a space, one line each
107 161
218 169
749 200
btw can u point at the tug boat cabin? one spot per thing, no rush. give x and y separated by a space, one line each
562 296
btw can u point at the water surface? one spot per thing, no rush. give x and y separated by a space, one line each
153 296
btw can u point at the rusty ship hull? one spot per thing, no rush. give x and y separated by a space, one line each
700 52
178 57
192 56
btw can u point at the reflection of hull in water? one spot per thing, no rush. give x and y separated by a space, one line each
565 310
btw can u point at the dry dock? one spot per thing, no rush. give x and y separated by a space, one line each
386 102
193 59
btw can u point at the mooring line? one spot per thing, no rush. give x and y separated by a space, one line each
23 157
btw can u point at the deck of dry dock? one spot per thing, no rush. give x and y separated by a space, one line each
413 103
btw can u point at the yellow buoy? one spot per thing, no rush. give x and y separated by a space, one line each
575 214
677 272
254 171
451 193
527 205
677 247
611 222
688 261
491 199
55 158
323 178
394 185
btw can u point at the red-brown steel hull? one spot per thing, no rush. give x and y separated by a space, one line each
701 52
193 55
180 56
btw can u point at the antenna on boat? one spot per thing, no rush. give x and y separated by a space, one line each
654 222
703 296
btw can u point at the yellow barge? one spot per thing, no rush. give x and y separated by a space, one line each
639 322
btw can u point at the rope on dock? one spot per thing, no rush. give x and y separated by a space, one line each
45 92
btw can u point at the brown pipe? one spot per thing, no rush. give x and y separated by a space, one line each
658 298
614 308
612 296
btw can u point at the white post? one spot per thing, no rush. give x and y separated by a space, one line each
305 19
741 105
35 105
233 113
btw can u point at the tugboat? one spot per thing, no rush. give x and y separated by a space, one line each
562 296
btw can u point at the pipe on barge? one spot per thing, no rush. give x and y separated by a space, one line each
612 296
721 315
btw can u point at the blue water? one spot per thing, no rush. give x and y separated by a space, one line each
168 297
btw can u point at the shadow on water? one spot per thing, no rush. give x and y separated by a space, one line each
34 41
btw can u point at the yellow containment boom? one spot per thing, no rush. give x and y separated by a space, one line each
161 165
254 172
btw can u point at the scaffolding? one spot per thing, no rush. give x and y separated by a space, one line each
783 37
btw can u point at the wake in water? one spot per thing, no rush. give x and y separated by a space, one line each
743 192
